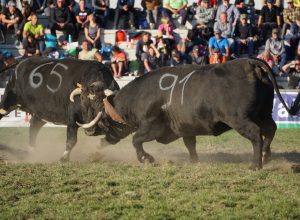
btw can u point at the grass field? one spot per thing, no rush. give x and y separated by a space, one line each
109 183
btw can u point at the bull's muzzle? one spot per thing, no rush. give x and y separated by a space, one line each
92 123
75 92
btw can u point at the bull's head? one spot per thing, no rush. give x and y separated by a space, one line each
91 96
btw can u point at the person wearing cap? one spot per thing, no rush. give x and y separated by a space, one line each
232 12
290 14
11 19
176 8
205 14
191 40
219 42
244 37
217 57
268 19
198 56
277 50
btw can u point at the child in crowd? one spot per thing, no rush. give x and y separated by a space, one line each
119 62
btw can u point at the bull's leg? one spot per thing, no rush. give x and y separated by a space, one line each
145 133
252 132
35 126
71 141
268 128
190 143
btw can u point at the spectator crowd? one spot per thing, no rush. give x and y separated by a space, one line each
220 31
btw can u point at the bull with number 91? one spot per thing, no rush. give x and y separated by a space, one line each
42 87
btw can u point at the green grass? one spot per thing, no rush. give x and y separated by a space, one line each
219 187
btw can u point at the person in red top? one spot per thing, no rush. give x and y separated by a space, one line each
119 62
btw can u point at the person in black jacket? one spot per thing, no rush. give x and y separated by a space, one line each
61 19
142 48
124 7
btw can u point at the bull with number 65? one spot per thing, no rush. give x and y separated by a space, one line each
48 89
191 100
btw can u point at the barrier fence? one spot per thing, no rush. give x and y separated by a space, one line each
18 118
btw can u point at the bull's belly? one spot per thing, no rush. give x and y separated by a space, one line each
52 118
195 129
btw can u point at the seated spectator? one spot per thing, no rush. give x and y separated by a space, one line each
89 54
12 19
152 9
124 7
151 58
226 29
142 47
268 19
35 29
205 14
212 3
92 32
187 44
290 15
119 62
244 37
217 57
26 13
232 13
197 57
61 20
292 39
292 69
277 50
166 30
177 58
266 56
31 46
163 49
81 17
174 9
101 11
218 42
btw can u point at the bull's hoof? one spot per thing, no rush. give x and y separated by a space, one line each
194 159
255 167
266 157
146 158
64 159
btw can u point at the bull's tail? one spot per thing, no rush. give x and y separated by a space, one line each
295 109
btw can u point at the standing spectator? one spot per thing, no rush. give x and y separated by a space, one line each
119 62
101 11
142 47
232 12
151 58
92 32
61 20
89 54
205 14
218 42
152 10
124 7
11 19
244 37
176 8
268 19
293 71
290 15
177 58
277 50
35 29
81 17
31 46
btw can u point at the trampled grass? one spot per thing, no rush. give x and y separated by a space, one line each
220 186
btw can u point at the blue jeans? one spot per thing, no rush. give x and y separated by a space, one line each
249 45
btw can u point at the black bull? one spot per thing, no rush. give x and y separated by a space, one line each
190 100
43 86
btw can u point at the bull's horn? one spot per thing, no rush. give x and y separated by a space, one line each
92 123
108 92
76 91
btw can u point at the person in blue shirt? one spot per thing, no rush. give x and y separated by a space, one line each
220 42
124 7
